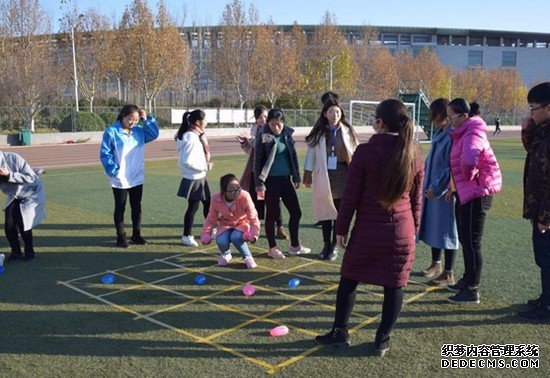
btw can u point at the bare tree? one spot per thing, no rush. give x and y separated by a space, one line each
27 60
232 49
96 58
154 54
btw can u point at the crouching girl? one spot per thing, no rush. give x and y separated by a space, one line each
233 214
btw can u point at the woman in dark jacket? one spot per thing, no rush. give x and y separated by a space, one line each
384 189
275 162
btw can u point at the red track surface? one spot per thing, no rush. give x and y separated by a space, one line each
75 155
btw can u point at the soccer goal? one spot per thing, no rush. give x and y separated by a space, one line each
361 114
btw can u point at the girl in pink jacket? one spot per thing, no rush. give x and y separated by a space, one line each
233 213
475 177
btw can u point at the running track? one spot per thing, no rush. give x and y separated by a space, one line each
76 155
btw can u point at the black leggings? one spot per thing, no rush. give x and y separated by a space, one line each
449 257
345 300
120 195
277 188
470 219
13 223
189 216
260 204
328 225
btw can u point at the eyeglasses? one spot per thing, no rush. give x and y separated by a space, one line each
532 109
455 116
235 190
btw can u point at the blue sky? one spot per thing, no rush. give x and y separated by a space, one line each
514 15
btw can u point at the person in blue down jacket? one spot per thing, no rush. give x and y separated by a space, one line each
123 158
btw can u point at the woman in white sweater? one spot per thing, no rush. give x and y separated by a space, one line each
194 162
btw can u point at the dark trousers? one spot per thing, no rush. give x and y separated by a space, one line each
449 257
120 195
541 247
13 225
345 300
189 217
470 220
328 226
280 188
260 204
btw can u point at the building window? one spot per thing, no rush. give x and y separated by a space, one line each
405 39
422 38
459 40
443 40
509 58
492 41
475 58
389 39
476 41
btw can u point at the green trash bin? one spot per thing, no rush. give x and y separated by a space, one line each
25 137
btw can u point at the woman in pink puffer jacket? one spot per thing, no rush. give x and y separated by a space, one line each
475 177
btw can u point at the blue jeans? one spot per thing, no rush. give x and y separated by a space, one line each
236 237
541 247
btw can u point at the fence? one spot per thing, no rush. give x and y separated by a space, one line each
58 118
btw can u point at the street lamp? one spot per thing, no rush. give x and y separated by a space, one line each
331 60
80 16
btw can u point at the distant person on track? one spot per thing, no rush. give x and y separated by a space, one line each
123 157
535 135
497 126
194 162
25 203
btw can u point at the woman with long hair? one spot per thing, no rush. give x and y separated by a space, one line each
438 223
123 157
384 190
194 162
331 144
476 177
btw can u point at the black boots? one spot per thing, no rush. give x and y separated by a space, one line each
29 253
121 241
338 337
329 252
382 344
137 239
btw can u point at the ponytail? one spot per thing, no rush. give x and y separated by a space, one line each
188 119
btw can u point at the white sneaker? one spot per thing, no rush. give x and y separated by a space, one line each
275 253
299 250
224 259
214 233
189 241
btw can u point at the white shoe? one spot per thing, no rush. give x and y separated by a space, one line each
189 241
275 253
214 233
299 250
224 259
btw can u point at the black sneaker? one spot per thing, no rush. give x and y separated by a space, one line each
459 286
323 255
121 241
338 337
14 256
138 240
29 254
382 344
465 296
534 302
537 315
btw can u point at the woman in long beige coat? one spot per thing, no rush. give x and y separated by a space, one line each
331 144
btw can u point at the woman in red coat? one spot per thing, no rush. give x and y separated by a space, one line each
384 190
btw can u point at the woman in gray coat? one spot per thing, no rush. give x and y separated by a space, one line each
25 203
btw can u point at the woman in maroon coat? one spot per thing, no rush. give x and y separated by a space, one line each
384 190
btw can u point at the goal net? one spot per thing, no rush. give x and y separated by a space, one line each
361 114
